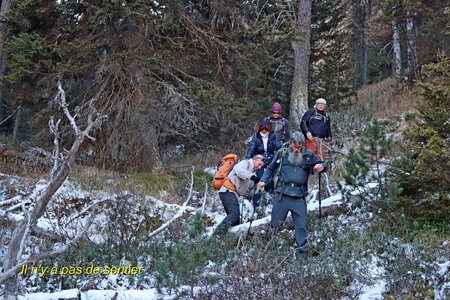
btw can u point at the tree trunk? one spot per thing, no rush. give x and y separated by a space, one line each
5 7
412 33
301 47
360 47
397 58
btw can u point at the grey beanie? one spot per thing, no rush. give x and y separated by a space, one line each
321 100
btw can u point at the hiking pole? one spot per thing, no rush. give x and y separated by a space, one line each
320 202
242 210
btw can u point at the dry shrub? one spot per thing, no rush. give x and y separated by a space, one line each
386 98
290 285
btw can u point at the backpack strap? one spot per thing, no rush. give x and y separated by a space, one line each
316 113
283 155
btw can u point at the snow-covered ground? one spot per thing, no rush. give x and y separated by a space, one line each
167 212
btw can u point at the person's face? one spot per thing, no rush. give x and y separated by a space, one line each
320 106
264 129
258 164
276 114
296 147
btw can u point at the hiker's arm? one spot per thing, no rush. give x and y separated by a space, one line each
305 120
251 148
318 165
271 169
328 135
278 143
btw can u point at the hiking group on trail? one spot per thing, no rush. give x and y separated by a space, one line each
278 162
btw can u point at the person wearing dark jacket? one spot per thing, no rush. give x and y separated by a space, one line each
292 187
265 143
281 126
316 127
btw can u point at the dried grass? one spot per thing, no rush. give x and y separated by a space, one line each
387 98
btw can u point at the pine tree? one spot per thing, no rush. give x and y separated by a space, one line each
365 166
331 70
423 170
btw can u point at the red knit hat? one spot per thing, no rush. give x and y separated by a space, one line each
276 107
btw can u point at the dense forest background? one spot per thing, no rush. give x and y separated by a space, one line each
190 75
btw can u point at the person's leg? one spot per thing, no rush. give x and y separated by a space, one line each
300 219
231 204
322 148
279 211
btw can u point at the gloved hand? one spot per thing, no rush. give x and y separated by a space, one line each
255 179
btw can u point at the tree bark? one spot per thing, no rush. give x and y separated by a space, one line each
360 47
412 33
5 8
397 58
301 47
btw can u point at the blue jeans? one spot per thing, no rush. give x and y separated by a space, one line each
297 207
231 204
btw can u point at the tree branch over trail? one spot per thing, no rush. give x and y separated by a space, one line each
36 210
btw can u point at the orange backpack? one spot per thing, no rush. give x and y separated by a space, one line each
224 168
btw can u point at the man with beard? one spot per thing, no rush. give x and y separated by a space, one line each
291 187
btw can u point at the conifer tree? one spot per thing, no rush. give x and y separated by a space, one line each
365 166
423 169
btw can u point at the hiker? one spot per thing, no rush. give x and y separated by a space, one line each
266 143
315 126
280 125
292 167
239 182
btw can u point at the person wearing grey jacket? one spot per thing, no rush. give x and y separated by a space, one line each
292 187
239 182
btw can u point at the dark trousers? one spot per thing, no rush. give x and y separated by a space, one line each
297 207
231 204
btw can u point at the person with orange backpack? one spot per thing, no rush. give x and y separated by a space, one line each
239 182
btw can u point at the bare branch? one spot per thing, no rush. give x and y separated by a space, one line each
204 197
27 230
180 212
86 210
60 99
54 130
38 257
21 231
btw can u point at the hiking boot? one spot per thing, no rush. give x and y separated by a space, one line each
301 255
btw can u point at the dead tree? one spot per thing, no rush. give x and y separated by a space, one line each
34 209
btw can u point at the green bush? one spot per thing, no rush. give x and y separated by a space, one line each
365 165
423 170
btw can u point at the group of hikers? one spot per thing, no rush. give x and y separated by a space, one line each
279 162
